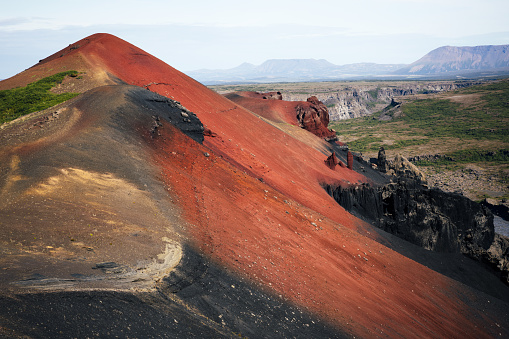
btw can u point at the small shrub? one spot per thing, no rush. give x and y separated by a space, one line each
32 98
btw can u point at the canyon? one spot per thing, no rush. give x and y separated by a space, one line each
348 100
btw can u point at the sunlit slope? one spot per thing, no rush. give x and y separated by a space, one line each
111 179
78 188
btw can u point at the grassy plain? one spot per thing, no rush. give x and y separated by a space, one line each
473 120
470 127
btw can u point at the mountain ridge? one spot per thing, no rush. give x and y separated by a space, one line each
467 59
291 70
443 62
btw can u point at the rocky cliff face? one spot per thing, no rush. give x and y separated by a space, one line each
359 100
497 256
430 218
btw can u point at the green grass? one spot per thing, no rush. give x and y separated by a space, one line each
406 143
485 120
36 96
470 156
368 143
497 101
374 93
443 118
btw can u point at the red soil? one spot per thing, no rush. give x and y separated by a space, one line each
264 96
293 251
243 138
274 110
311 115
285 232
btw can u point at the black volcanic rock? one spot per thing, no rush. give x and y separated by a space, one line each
382 160
430 218
169 110
497 257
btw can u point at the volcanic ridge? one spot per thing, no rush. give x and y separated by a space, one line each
149 205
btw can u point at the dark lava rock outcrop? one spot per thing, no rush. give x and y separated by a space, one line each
382 160
430 218
497 256
400 167
313 116
404 168
175 113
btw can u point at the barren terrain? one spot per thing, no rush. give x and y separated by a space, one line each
151 205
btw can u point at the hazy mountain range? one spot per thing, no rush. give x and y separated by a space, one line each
443 62
281 70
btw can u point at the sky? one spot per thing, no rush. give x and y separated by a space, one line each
221 34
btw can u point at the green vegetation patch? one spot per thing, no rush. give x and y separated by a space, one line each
469 156
488 119
497 100
36 96
406 143
374 93
443 118
368 143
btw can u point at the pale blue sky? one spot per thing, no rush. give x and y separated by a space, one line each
220 34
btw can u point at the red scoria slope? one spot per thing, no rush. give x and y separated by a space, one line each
252 200
312 115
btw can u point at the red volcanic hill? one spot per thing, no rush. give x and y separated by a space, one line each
151 205
312 115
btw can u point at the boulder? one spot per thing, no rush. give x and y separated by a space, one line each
208 133
313 116
332 161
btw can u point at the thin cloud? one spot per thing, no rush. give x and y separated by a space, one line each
28 24
13 22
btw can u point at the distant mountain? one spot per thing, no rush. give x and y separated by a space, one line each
296 67
443 62
449 60
281 70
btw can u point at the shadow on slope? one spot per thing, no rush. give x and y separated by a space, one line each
198 300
